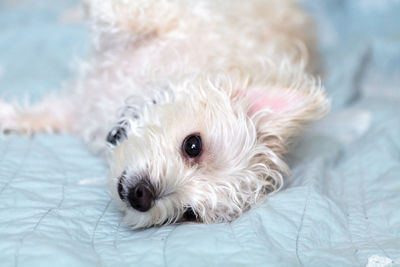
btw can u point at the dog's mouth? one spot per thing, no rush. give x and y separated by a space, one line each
190 216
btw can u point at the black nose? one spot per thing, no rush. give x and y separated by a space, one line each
141 197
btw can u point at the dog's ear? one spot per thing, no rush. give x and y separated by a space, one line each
280 113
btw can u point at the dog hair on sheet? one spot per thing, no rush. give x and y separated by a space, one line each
193 103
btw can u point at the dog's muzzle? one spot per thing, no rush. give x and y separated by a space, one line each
140 197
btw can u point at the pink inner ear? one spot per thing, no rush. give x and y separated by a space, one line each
280 100
263 101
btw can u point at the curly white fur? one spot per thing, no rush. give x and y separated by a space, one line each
234 72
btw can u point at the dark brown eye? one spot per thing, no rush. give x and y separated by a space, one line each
192 146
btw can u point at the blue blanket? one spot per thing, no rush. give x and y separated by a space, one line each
340 206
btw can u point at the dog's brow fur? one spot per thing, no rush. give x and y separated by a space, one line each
237 73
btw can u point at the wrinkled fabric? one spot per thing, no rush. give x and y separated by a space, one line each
340 206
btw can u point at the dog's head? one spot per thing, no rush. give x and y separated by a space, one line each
209 150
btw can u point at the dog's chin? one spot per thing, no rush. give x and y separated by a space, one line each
141 220
138 220
162 213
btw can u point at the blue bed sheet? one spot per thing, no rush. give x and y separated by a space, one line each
340 206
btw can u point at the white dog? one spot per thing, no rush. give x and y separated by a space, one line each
197 99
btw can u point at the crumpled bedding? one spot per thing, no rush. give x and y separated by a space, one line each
340 206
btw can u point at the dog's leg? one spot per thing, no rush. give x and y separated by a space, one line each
118 133
53 114
129 114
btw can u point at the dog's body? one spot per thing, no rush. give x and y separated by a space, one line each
228 78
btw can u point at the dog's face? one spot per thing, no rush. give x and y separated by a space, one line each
206 154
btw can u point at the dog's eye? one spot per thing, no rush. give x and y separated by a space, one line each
192 145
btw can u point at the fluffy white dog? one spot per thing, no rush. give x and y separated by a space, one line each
197 100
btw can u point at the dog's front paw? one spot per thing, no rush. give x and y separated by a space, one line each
116 135
127 115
